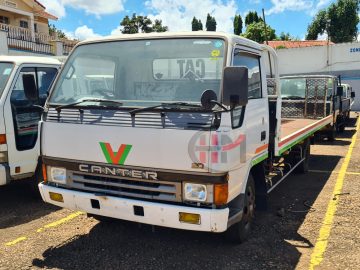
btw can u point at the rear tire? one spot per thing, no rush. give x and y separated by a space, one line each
331 134
303 167
239 232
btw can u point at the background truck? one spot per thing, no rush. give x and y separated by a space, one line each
171 129
314 97
348 99
20 113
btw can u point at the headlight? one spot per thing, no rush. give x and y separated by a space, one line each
195 192
57 175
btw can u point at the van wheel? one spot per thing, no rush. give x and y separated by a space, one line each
35 180
240 231
304 166
331 133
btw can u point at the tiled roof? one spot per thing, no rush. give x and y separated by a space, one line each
44 14
298 44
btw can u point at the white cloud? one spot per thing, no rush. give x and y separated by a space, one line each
178 14
280 6
84 32
54 7
116 31
97 8
323 36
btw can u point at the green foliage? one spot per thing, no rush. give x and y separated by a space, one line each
285 36
158 27
238 25
280 47
141 24
252 17
339 21
54 32
196 25
210 23
256 32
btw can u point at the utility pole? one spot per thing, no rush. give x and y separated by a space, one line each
267 43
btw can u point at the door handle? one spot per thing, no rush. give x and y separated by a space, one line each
263 135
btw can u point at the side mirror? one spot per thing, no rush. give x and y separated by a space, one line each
30 89
339 91
235 86
352 94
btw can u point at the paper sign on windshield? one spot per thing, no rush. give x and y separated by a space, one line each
188 69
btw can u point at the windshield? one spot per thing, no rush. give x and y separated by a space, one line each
141 73
5 71
293 87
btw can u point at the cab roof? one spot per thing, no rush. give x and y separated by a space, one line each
18 60
231 38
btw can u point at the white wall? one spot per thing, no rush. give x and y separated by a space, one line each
339 59
3 43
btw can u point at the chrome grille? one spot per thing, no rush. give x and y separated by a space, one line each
172 120
126 186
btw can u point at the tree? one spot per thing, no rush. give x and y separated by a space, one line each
210 23
252 17
238 24
196 25
256 32
54 32
158 27
339 21
141 24
285 36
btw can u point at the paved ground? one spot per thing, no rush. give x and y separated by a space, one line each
36 235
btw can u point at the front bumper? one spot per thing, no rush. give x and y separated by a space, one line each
159 214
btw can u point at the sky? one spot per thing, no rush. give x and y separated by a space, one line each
83 19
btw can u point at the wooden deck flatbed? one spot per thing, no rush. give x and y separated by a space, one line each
295 130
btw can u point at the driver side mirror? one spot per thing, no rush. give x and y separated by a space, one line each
352 94
30 89
235 86
339 91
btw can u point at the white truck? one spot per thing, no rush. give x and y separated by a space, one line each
20 113
170 129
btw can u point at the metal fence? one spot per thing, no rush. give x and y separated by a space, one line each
27 43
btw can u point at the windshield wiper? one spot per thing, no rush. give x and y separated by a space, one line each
163 105
72 105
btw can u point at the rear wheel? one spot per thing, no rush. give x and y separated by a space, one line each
240 231
303 167
331 133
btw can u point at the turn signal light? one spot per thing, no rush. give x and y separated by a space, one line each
221 193
44 172
57 197
189 218
2 139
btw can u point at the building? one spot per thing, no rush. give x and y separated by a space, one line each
24 29
290 44
334 59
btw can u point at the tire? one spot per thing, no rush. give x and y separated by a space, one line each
35 180
303 167
331 134
342 128
239 232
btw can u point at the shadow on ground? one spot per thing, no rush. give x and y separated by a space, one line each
19 204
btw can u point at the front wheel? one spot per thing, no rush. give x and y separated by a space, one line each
240 231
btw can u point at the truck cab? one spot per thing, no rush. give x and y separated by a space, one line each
20 113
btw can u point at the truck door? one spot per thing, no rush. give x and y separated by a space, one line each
22 115
256 111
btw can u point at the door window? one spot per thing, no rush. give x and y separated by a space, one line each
252 62
26 110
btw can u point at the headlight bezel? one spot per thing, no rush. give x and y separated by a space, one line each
57 175
207 192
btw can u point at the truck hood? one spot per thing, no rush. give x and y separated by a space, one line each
159 148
